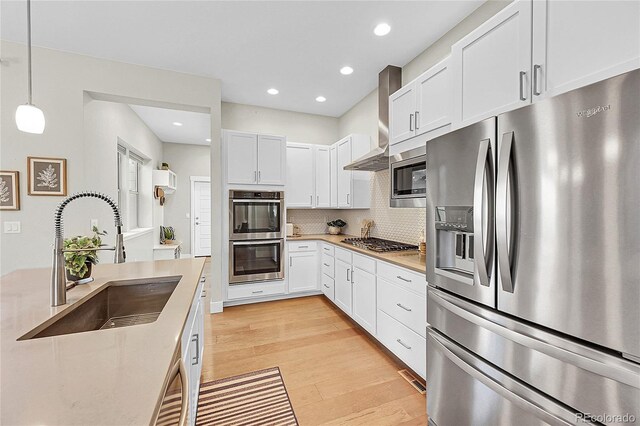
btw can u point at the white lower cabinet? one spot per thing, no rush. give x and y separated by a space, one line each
302 275
364 299
328 287
192 346
405 306
342 282
407 345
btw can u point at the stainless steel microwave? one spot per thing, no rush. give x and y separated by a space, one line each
408 177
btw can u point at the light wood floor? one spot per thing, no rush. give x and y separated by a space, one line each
334 373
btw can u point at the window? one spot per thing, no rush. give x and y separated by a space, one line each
129 165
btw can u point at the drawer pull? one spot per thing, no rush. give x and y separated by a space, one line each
326 248
303 246
326 264
403 344
400 305
257 292
403 279
326 286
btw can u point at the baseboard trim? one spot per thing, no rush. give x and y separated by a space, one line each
271 298
215 307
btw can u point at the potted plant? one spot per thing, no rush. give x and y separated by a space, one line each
335 226
78 263
167 235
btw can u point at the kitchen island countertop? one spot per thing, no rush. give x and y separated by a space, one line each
107 377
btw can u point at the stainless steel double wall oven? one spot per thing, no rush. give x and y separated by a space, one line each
533 263
256 236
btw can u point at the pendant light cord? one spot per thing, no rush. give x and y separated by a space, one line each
29 48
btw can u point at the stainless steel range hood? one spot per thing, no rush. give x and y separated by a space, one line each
389 80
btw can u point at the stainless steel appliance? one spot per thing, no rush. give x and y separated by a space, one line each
257 260
378 244
540 325
408 179
256 215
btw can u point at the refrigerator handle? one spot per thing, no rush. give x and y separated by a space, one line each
502 213
483 164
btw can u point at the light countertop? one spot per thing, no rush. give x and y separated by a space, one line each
406 259
167 246
107 377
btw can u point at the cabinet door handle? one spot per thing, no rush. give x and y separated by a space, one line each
536 76
348 279
326 286
311 199
303 246
403 279
257 292
348 199
417 122
255 176
317 200
403 344
326 264
411 122
196 359
290 262
326 248
400 305
523 74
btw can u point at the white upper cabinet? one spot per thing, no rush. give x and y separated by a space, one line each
344 176
242 157
492 65
333 160
271 160
581 42
422 106
354 187
402 109
323 176
300 176
255 159
433 100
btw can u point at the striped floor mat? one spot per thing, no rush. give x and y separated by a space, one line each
256 398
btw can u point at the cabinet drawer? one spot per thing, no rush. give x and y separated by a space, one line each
328 287
241 291
303 246
364 263
403 277
328 249
410 347
403 305
327 265
342 254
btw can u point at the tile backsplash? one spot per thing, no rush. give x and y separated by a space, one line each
402 225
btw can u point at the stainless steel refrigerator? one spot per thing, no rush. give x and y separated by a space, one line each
533 230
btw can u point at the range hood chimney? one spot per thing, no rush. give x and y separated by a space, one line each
389 80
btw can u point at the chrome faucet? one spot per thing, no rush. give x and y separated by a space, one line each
58 277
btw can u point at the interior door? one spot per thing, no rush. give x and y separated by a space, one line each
344 176
323 177
242 157
202 218
300 175
567 222
493 65
562 63
271 160
460 177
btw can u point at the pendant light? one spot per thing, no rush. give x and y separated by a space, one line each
29 118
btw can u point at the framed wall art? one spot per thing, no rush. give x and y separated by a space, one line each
9 190
47 176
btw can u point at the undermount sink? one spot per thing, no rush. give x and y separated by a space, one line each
119 304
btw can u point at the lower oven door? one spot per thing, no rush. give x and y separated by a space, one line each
251 261
464 390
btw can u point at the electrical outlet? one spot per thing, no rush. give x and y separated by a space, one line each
12 228
94 224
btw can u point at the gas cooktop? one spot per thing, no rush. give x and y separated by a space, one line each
378 245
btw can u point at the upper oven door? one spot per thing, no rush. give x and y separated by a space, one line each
408 181
251 219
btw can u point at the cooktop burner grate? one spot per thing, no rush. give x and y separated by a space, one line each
379 245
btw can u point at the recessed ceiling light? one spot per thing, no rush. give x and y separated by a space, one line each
382 29
177 123
273 91
208 139
321 99
346 70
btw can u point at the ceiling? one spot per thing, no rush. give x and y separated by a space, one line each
195 129
297 47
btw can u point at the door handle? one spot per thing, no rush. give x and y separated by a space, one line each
255 176
257 292
352 271
400 305
403 344
196 359
536 74
326 264
348 279
411 122
348 202
484 160
259 175
523 74
417 122
504 265
311 199
326 286
403 279
290 262
317 200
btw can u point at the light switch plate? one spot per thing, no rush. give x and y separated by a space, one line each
12 228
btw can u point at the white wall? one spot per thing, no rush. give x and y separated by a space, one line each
296 126
186 161
60 81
